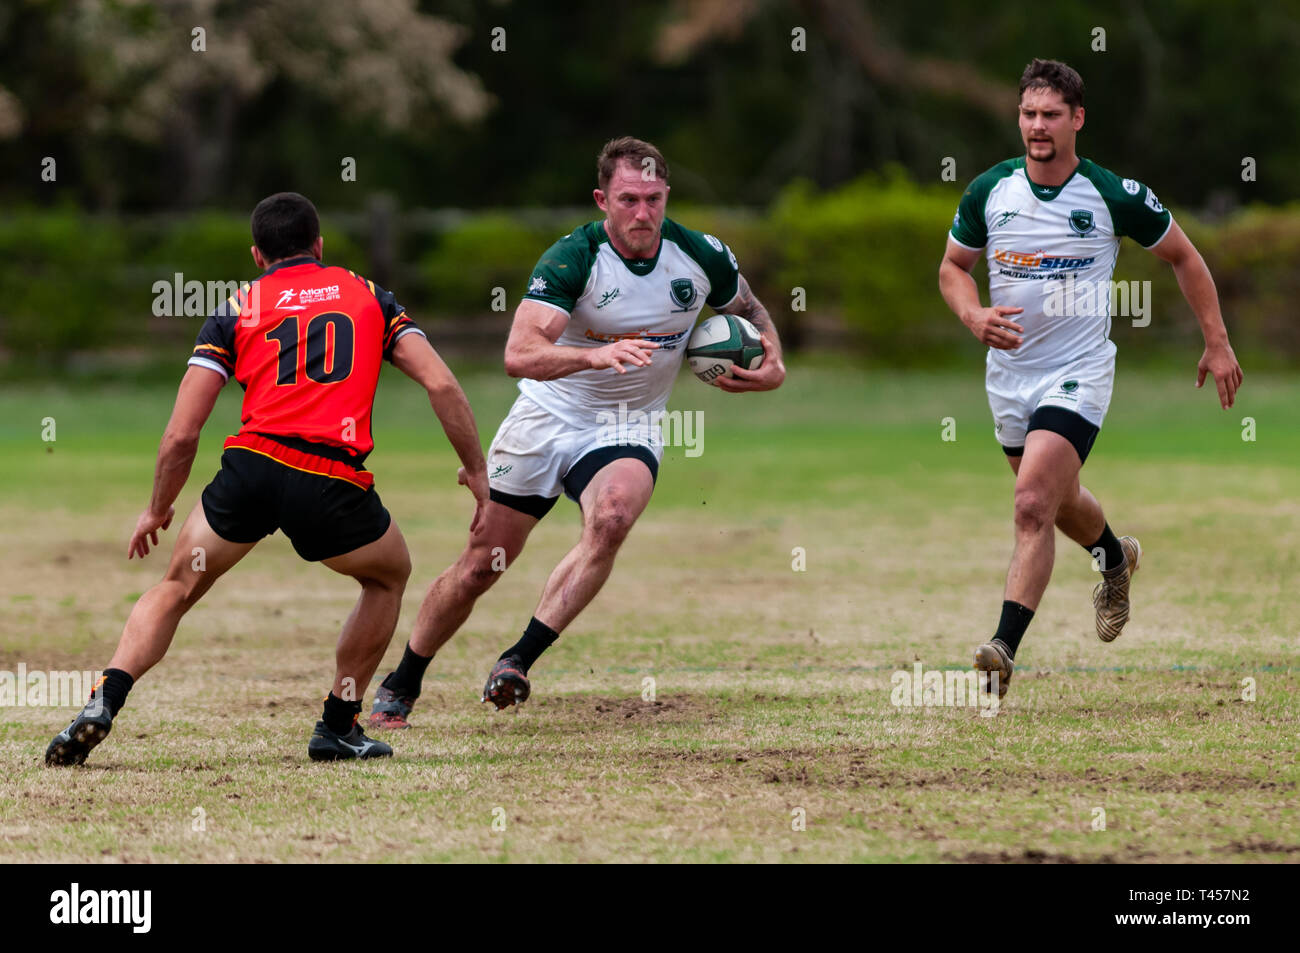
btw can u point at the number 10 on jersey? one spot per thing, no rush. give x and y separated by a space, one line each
327 341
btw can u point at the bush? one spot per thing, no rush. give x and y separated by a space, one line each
485 252
62 285
75 284
869 252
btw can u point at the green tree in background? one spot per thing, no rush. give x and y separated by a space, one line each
471 104
164 104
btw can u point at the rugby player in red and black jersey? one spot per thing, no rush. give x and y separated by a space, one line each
305 341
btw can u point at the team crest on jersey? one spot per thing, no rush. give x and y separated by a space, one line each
1153 203
683 293
1081 221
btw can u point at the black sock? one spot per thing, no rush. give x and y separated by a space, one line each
537 638
112 690
339 714
1112 553
1011 628
406 678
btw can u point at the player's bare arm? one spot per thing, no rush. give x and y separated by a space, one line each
415 357
531 350
991 326
1197 285
771 373
194 402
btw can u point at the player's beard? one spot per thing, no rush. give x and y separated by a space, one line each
1051 150
640 243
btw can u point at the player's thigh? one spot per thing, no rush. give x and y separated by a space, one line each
386 560
618 492
201 556
1071 491
1048 469
500 536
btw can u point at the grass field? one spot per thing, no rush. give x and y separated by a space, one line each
772 687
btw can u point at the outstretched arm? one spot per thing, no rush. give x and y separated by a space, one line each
415 357
1197 286
771 373
194 402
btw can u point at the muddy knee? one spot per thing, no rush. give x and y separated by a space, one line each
610 523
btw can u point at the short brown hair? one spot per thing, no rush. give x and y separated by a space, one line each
285 224
635 151
1056 76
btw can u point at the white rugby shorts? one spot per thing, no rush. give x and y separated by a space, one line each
534 452
1083 387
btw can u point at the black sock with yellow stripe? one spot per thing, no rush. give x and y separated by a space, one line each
339 715
112 689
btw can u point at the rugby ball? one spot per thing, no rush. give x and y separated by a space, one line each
720 342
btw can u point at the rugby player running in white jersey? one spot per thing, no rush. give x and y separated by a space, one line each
599 336
1049 224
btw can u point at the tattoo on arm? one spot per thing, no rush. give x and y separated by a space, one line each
748 306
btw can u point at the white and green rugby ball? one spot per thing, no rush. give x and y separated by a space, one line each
720 342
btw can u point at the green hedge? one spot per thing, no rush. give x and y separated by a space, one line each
62 285
485 252
870 253
73 286
77 290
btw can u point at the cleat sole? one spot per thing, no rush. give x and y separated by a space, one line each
75 750
988 659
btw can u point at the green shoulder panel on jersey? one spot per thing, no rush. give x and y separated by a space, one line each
1133 207
713 256
561 273
970 226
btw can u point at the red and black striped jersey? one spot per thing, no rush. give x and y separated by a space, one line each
305 341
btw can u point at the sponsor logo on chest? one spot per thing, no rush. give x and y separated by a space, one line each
1040 262
667 340
292 299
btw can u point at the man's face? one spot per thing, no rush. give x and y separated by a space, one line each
634 209
1047 124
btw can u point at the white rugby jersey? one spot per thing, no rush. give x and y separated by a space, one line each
1051 250
608 297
